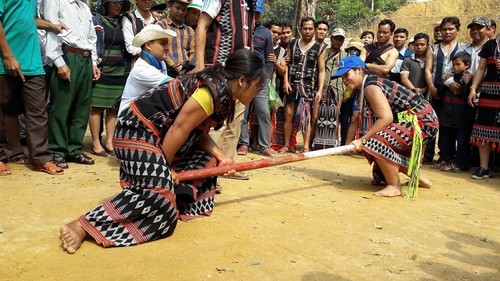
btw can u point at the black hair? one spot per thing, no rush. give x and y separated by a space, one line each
241 63
453 20
101 7
389 22
306 19
421 35
323 22
464 56
366 32
402 30
493 23
287 24
276 23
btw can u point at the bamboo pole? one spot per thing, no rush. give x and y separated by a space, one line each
258 164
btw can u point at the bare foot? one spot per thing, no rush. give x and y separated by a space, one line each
72 236
424 182
389 191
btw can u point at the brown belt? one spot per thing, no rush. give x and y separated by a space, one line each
83 53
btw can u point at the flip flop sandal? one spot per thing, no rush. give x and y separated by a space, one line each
19 158
4 169
49 168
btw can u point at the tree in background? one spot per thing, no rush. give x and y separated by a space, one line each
348 14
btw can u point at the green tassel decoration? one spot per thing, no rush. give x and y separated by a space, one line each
416 152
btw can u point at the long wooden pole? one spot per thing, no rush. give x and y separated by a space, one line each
258 164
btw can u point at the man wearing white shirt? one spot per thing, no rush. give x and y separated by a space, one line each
134 22
399 39
74 55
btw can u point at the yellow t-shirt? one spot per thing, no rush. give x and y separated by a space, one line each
204 99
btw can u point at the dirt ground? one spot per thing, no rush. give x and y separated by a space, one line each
309 220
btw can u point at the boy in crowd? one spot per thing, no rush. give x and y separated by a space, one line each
456 118
413 67
286 35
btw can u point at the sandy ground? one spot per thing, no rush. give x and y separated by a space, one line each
309 220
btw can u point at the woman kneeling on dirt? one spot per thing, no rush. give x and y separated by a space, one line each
405 122
164 131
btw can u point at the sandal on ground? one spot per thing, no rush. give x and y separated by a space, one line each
49 168
218 189
80 159
4 169
440 165
238 176
19 158
269 152
243 150
286 149
59 161
451 167
101 153
304 150
109 151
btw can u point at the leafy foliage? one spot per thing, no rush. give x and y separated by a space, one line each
279 10
349 14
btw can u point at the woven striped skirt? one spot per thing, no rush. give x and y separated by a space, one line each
149 206
394 143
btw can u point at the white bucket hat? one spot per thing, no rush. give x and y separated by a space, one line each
151 32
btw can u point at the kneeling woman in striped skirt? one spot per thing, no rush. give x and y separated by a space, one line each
164 131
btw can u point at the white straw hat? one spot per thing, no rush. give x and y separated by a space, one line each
151 32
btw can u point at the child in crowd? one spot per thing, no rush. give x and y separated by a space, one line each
456 118
413 67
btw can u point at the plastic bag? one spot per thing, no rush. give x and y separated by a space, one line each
274 98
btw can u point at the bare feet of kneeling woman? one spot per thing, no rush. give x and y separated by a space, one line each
395 190
72 236
389 191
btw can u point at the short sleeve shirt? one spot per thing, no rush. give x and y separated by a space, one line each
18 20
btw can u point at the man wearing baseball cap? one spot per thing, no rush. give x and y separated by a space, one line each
149 70
193 13
333 96
478 31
